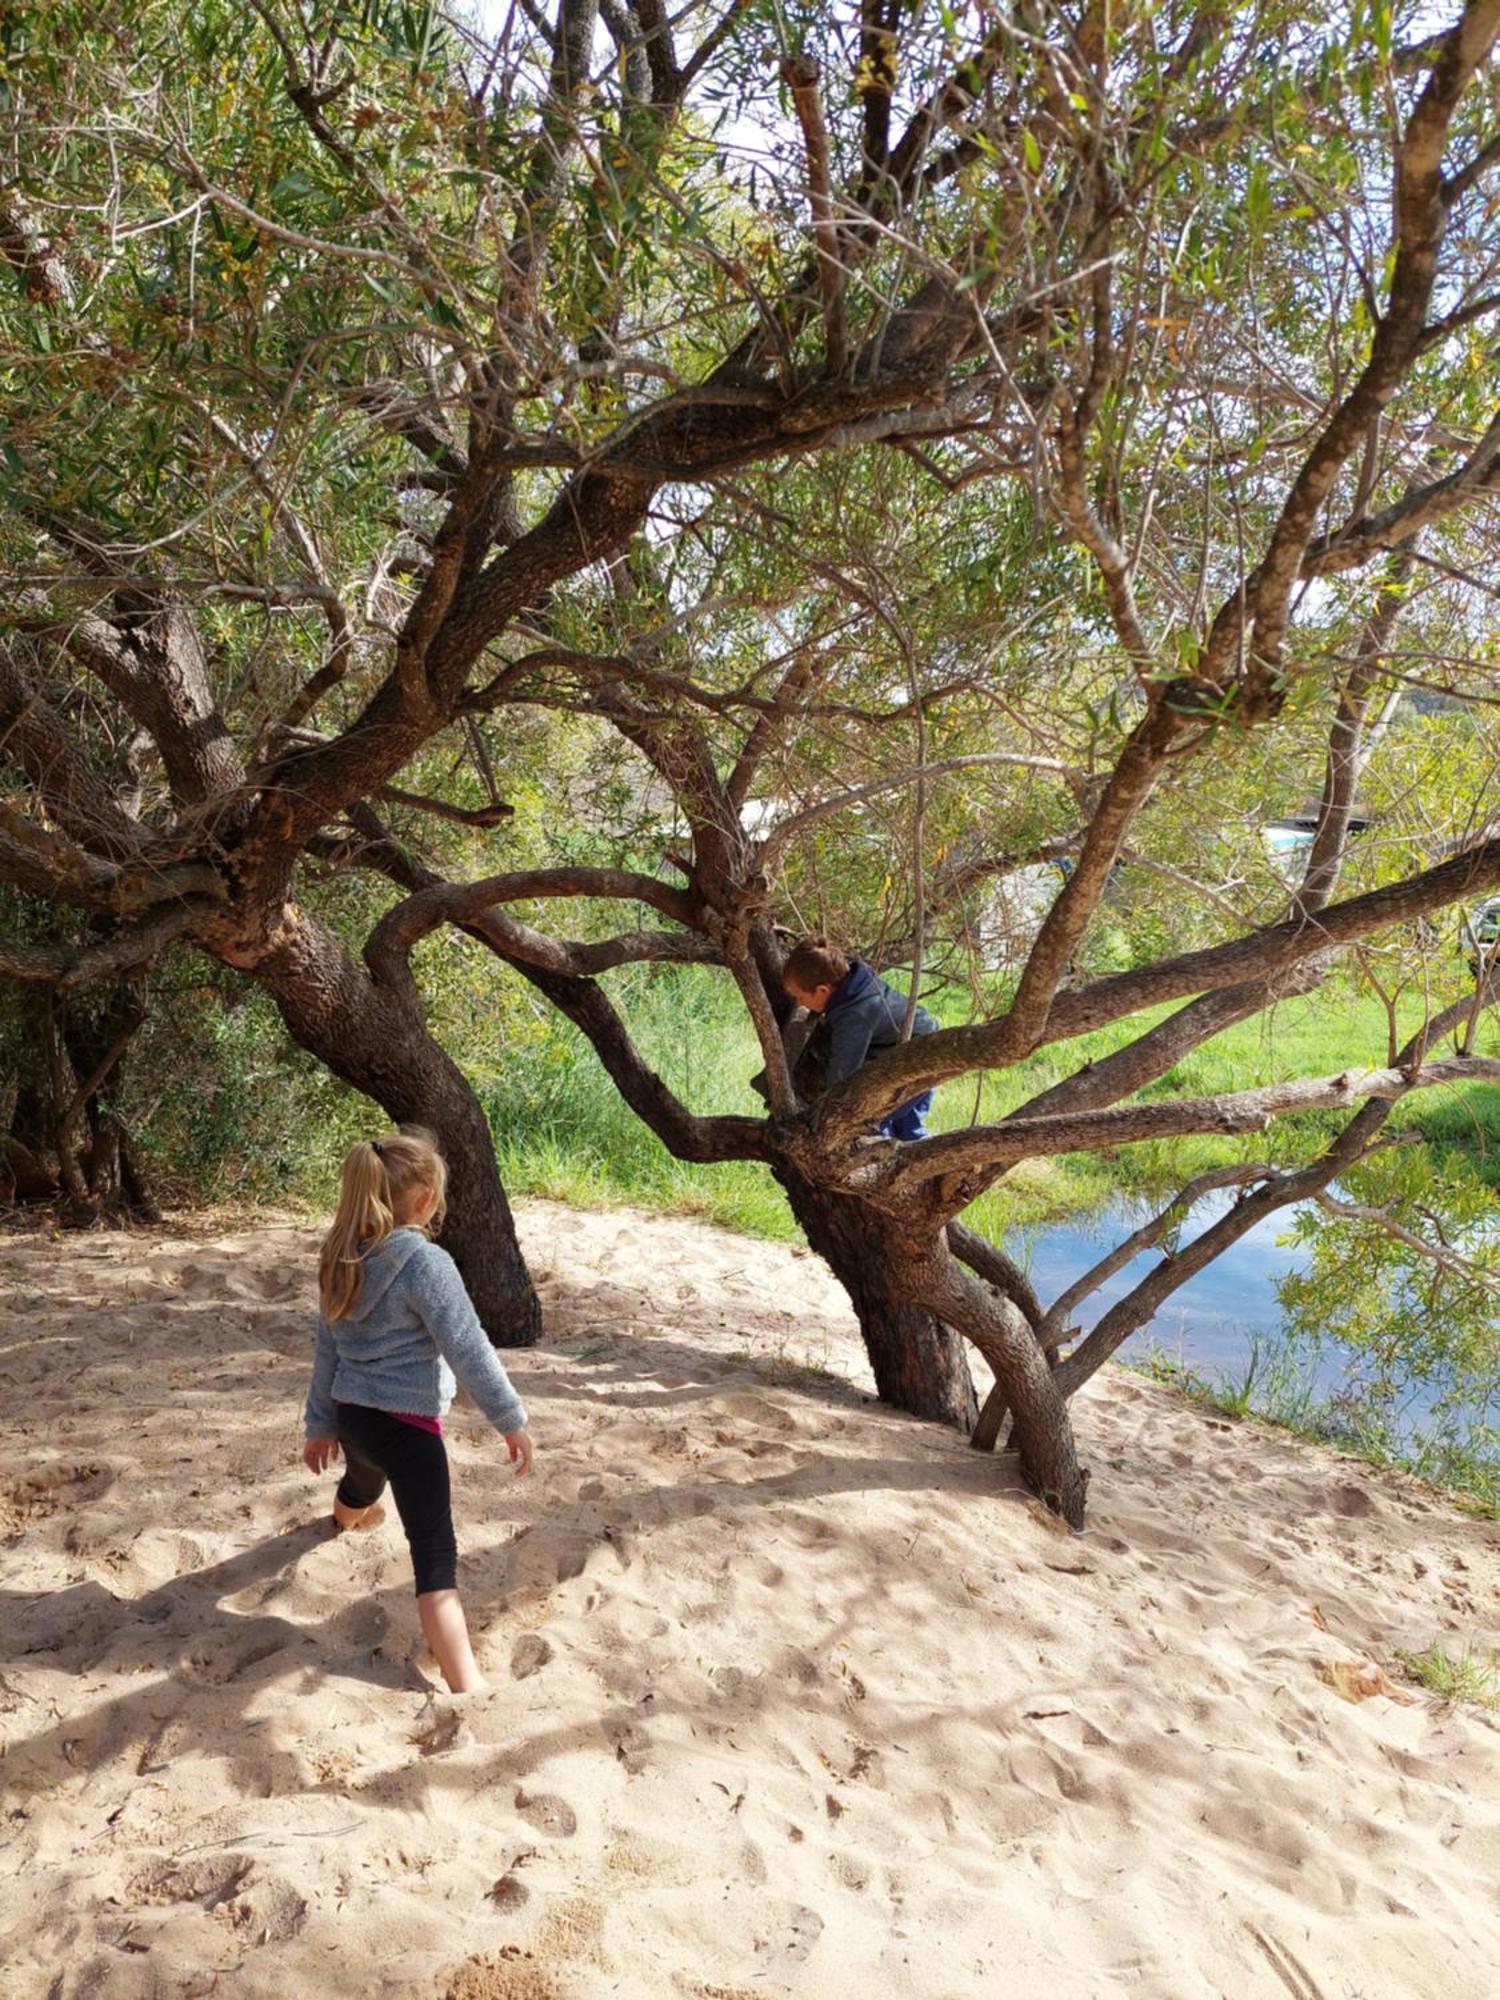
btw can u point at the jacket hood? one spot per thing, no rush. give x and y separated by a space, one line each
382 1266
857 981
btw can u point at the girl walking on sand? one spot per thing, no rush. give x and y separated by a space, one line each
395 1327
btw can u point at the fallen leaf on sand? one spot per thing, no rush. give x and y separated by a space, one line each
1315 1613
1358 1680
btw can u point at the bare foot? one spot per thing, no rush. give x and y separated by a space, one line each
356 1519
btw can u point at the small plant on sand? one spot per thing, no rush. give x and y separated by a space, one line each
1466 1676
785 1370
1160 1364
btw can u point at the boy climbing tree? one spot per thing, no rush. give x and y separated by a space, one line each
862 1015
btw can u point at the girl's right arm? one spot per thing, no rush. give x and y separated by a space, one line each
320 1419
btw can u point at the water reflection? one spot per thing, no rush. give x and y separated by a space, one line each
1220 1319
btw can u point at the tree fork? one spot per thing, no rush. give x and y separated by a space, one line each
98 1051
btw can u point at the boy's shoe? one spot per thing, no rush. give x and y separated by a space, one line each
353 1519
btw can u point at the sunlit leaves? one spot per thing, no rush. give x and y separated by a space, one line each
1418 1308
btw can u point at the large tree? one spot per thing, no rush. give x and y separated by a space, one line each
276 270
1069 413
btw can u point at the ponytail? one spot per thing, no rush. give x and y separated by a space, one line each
379 1176
365 1217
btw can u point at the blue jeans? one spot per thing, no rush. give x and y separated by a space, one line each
908 1121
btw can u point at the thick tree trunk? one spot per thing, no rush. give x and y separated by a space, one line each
98 1048
24 1175
919 1363
376 1039
61 1139
135 1183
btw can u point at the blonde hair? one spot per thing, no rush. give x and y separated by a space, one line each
380 1177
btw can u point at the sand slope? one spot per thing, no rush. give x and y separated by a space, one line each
790 1696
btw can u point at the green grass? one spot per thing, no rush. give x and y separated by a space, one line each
1466 1677
563 1131
1315 1035
783 1371
1273 1385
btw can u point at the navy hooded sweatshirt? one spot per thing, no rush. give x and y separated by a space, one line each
865 1014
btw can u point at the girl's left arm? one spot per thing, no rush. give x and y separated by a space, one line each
320 1419
448 1314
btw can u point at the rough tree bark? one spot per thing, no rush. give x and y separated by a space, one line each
919 1363
98 1050
1042 1430
371 1032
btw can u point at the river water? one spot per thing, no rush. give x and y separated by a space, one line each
1219 1320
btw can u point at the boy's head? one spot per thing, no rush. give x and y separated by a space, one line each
812 972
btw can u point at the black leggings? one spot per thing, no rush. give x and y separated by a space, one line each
379 1447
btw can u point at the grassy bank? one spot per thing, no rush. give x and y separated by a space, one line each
1275 1386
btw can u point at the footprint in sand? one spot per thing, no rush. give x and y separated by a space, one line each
510 1893
792 1664
263 1649
572 1557
752 1868
264 1907
217 1669
851 1873
268 1911
547 1813
529 1655
537 1559
630 1744
208 1881
441 1733
253 1287
52 1490
797 1934
752 1409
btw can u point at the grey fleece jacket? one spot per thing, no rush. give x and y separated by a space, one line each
412 1330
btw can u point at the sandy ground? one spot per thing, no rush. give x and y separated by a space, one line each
791 1696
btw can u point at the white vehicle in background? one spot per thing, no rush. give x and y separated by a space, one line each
1287 840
